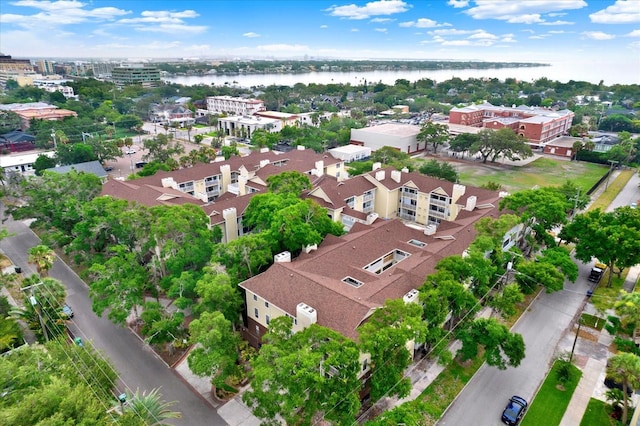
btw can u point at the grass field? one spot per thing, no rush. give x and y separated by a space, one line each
552 400
541 172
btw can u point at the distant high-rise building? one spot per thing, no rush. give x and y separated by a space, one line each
147 76
45 67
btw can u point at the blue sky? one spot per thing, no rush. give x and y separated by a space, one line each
491 30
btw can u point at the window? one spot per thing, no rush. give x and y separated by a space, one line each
256 313
268 319
417 243
352 281
266 304
255 297
364 365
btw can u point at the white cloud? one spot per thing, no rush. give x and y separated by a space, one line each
172 29
621 12
558 23
635 45
355 30
55 14
380 20
374 8
381 30
452 31
538 37
483 35
523 11
598 35
420 23
555 15
458 3
324 26
533 18
634 33
558 32
251 34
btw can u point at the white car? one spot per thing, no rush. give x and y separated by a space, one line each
130 151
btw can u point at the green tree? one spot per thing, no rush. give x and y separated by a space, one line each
161 149
118 285
507 300
433 134
463 142
55 200
539 209
291 182
389 156
440 170
245 257
9 121
611 237
501 347
625 368
303 376
385 335
150 408
43 257
530 274
502 142
42 163
628 309
217 352
218 294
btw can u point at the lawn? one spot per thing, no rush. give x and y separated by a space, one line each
541 172
597 414
552 399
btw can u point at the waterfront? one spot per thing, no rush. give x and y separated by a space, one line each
609 73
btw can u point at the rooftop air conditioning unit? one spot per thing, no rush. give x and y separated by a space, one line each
411 296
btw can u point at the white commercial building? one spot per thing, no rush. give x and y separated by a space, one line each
349 153
400 136
244 126
233 106
21 164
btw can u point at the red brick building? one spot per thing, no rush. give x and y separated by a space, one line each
538 125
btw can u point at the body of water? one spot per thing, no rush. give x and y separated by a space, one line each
609 73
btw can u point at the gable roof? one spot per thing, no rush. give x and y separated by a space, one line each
316 278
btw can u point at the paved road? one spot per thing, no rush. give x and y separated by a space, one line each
542 328
137 366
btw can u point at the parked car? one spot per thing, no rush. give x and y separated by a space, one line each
108 168
514 410
67 312
130 151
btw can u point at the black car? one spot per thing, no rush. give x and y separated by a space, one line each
514 410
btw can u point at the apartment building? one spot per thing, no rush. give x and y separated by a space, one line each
233 105
538 125
342 281
224 188
145 75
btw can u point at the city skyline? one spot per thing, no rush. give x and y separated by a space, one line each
490 30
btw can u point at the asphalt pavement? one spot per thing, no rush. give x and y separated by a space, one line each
137 365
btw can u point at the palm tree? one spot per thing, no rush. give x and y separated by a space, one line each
151 409
43 257
625 368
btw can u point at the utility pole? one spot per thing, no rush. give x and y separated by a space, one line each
606 185
34 303
575 340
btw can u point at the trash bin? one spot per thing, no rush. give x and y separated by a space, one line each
17 269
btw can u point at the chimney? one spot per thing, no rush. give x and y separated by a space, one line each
430 230
306 315
396 176
263 150
380 175
242 188
300 147
376 166
284 257
458 191
263 163
471 203
319 170
168 182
